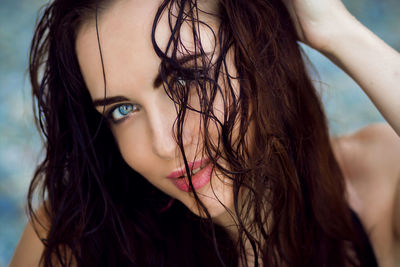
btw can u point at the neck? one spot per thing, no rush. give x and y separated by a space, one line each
229 221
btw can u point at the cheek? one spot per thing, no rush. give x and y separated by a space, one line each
134 147
227 99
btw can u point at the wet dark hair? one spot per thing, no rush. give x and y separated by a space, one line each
100 212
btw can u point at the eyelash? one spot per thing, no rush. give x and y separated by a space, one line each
189 77
186 81
111 116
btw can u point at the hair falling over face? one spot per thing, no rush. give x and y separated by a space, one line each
287 187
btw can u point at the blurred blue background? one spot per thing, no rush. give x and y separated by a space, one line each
347 107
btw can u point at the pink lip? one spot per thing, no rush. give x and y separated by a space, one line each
182 171
199 180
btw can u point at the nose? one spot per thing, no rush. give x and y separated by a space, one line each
164 144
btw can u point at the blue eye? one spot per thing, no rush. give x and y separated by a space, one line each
122 111
181 81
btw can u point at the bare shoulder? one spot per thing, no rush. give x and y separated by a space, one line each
30 247
370 161
372 152
382 142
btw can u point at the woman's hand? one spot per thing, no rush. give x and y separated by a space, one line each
316 21
327 26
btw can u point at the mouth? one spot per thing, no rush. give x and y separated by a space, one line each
193 172
200 172
194 167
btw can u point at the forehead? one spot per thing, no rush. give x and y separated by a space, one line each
125 37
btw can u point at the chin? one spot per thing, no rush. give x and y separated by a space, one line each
217 202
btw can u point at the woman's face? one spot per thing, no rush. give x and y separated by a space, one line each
141 116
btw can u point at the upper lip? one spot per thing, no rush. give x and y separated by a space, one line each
192 166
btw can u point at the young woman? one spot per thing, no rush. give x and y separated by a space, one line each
188 133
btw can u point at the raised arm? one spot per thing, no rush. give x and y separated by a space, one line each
327 26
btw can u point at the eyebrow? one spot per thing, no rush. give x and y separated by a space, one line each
156 83
109 100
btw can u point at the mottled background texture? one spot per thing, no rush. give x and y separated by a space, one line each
347 107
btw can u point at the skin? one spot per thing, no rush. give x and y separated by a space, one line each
328 27
369 161
145 136
367 157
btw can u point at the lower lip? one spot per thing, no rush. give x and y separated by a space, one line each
199 180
